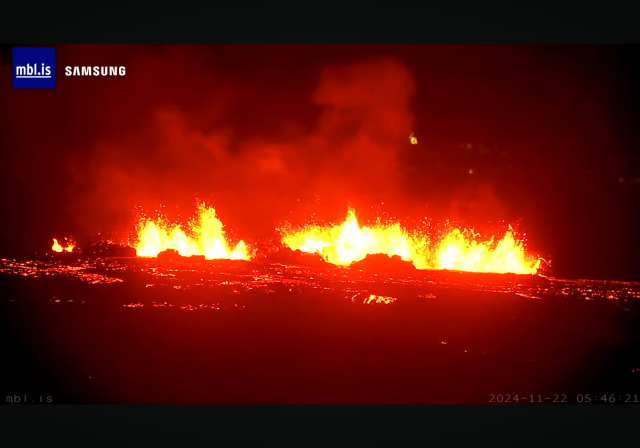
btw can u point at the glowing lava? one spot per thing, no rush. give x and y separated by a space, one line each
204 236
458 250
58 248
348 242
378 299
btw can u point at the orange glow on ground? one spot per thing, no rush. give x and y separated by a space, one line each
460 250
204 235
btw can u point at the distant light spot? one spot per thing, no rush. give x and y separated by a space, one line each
470 171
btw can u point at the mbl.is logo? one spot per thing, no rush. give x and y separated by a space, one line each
34 67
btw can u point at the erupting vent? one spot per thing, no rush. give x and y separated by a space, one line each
457 249
58 248
460 250
204 236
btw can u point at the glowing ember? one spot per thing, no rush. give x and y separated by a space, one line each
457 250
204 236
58 248
348 242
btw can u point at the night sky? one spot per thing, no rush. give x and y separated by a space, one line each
263 130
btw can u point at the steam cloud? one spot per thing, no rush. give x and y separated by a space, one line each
351 154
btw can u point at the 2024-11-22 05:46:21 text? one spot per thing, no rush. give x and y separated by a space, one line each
562 398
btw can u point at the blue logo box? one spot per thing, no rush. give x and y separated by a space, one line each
34 67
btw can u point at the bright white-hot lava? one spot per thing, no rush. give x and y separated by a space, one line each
348 242
458 250
204 235
56 247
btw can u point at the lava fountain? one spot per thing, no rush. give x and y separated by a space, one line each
460 250
204 235
348 242
58 248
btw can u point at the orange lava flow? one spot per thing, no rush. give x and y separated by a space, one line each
206 237
458 250
378 299
58 248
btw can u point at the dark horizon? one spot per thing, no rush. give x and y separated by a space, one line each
260 130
